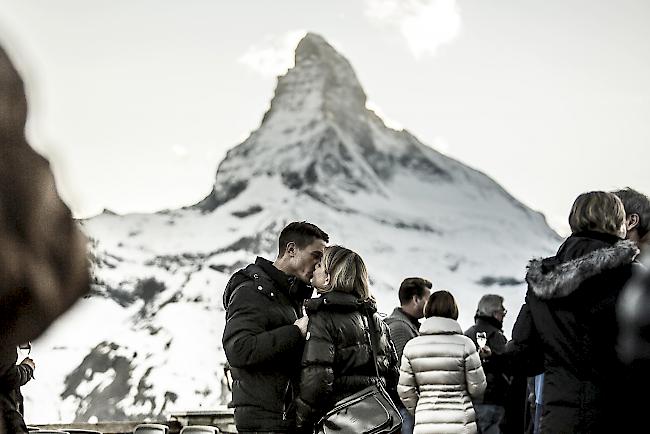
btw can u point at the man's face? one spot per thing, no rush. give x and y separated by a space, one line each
421 301
501 313
631 232
320 279
303 262
632 225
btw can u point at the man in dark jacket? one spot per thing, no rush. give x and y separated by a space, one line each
489 321
570 312
521 359
265 329
404 325
12 377
634 311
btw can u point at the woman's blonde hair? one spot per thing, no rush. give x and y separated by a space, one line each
347 272
598 211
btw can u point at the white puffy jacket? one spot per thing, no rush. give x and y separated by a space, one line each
440 374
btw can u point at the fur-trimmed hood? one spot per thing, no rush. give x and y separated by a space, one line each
560 279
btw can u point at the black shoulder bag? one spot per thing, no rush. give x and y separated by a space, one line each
369 411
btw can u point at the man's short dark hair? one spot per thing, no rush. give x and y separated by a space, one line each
300 233
411 287
636 203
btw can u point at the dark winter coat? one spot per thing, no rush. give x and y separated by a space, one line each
403 328
570 313
634 343
337 360
634 317
262 345
497 379
12 376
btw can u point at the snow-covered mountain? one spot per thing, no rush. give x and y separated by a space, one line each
148 339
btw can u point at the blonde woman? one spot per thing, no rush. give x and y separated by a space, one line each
441 372
570 317
337 360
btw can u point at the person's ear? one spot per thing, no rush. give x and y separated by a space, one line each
327 279
632 222
290 249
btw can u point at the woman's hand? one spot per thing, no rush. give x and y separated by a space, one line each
302 323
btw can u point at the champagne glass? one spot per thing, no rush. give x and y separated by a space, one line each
481 339
24 350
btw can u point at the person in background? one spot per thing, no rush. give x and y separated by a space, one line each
521 361
488 321
404 325
12 377
404 321
441 372
539 393
570 315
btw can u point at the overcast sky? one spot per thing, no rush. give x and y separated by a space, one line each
135 102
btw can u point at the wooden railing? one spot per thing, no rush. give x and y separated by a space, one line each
221 418
109 427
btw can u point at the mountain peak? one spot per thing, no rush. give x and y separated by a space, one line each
313 47
318 139
322 82
319 113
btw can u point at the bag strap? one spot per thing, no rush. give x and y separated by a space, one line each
371 334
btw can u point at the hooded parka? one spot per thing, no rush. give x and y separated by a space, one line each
570 313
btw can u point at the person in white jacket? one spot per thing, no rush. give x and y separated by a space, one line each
441 372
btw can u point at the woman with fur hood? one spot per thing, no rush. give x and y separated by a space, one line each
569 317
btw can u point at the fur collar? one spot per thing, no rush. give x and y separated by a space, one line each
566 277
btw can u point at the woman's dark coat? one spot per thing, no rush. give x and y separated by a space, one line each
337 360
570 313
